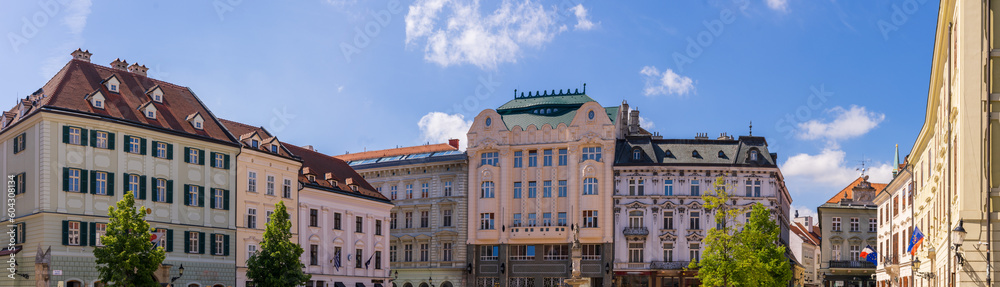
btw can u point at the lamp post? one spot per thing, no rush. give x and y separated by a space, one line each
180 273
958 238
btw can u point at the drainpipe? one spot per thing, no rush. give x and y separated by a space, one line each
948 183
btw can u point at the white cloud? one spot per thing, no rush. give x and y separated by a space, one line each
340 88
457 32
646 123
778 5
665 83
582 22
804 211
438 127
848 123
830 167
76 18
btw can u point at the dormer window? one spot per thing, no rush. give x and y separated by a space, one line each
156 94
99 104
311 178
151 114
96 99
196 120
668 153
636 154
113 88
149 110
333 182
722 154
354 187
753 155
112 83
197 125
254 143
274 148
695 154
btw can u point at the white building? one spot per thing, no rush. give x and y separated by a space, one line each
895 228
805 246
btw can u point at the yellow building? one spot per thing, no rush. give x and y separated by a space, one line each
953 155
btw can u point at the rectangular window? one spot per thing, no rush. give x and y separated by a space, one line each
313 254
490 158
408 221
73 233
192 195
557 252
193 242
522 252
547 157
425 219
486 221
313 217
447 188
517 220
133 185
695 223
695 252
102 228
589 186
636 186
446 251
218 198
591 252
486 190
220 244
561 218
219 161
563 156
835 252
517 189
251 181
359 224
425 190
855 224
668 187
392 192
251 250
73 184
378 227
547 188
518 159
668 252
392 253
100 140
532 158
336 220
635 252
408 252
562 188
872 225
756 188
161 150
392 220
695 187
532 189
162 239
446 217
251 217
547 219
592 153
424 252
532 219
409 191
20 143
286 189
358 257
19 182
75 136
668 220
270 185
160 190
378 260
267 216
855 252
590 218
836 224
100 183
488 252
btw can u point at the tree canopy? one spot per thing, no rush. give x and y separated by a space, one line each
128 257
277 262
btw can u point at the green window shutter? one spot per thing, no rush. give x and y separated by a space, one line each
152 191
93 184
65 140
93 234
225 199
211 159
22 228
128 144
226 161
83 136
65 179
170 151
65 228
142 146
184 194
201 242
111 140
142 187
83 181
83 234
187 151
187 242
93 134
111 184
201 196
170 191
125 178
170 240
225 244
201 157
211 246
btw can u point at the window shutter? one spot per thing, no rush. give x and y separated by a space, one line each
187 158
93 134
93 234
83 181
22 229
125 177
226 161
170 191
187 242
93 184
111 141
65 227
65 179
225 245
201 196
83 234
170 240
201 157
201 242
111 184
142 146
170 151
184 194
225 199
65 140
142 187
212 245
83 136
153 192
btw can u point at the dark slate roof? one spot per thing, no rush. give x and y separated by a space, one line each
320 164
681 151
548 109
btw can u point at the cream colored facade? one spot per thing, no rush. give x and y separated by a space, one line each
895 229
955 153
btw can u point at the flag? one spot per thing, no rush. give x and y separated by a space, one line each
869 254
915 240
369 260
155 237
336 260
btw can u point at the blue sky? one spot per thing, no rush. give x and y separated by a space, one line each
827 82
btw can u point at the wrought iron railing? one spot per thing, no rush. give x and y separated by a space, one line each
636 231
851 264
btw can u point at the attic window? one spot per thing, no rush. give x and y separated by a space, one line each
636 154
274 148
354 187
311 178
99 104
668 154
753 155
333 182
157 98
695 154
197 125
113 88
253 143
151 114
722 154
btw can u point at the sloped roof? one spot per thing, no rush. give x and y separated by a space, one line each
320 164
572 99
681 151
242 132
551 109
68 89
848 192
396 152
804 233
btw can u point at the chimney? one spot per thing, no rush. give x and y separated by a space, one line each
138 70
309 147
809 223
701 136
453 143
81 55
633 122
724 136
119 64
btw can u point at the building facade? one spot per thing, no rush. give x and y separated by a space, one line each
94 133
540 176
895 219
343 223
267 173
659 214
954 155
804 242
849 223
427 184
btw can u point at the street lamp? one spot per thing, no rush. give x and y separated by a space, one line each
916 265
180 273
958 238
431 281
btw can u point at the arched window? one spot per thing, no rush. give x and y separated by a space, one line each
424 285
722 154
636 154
446 284
74 283
695 154
407 285
753 155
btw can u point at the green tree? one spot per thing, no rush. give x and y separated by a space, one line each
128 257
738 254
277 262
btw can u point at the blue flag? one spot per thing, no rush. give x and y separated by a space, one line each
869 254
336 260
915 240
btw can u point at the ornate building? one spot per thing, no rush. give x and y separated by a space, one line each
427 184
541 167
659 216
895 228
849 223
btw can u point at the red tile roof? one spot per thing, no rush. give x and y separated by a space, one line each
396 151
848 192
320 164
69 87
804 233
243 132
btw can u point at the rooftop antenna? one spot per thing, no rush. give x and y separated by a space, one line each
584 88
515 93
751 128
863 161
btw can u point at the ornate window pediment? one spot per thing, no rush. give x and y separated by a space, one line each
695 237
668 237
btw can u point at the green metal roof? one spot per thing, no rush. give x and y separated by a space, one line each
526 119
546 101
551 109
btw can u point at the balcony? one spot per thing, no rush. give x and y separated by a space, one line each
851 264
632 265
670 265
538 232
630 231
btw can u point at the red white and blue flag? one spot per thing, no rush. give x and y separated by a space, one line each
869 254
915 240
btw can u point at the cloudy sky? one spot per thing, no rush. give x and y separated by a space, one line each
829 83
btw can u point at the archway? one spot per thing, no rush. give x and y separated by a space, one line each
407 284
193 285
74 283
446 284
424 285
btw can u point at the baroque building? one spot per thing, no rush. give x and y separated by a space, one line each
895 230
540 175
849 223
94 133
659 215
427 184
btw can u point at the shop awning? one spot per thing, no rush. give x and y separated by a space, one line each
338 284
